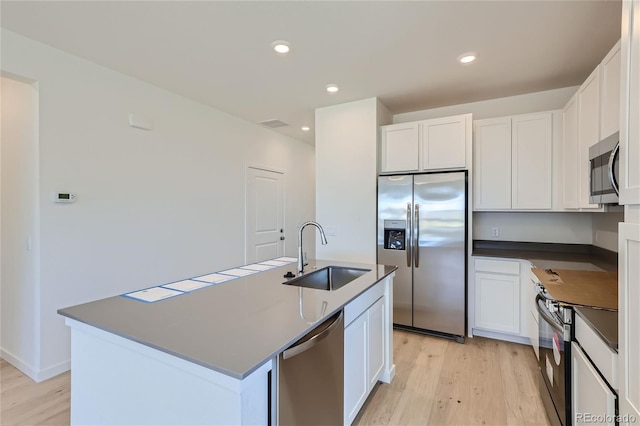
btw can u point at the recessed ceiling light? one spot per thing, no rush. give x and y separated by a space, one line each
305 128
332 88
281 46
467 58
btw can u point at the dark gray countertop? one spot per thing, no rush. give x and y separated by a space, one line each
566 253
603 322
232 327
563 256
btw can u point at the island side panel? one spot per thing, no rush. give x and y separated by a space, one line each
389 371
116 381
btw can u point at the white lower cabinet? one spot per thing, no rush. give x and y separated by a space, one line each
498 302
530 305
364 353
355 367
592 401
497 291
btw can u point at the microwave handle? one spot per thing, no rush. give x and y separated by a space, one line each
612 177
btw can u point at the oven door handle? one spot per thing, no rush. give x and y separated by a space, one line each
546 316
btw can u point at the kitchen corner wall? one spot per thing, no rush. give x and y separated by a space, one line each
152 206
346 171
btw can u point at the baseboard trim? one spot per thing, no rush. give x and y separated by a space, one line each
502 336
33 373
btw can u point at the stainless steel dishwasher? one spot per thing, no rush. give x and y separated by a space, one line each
311 377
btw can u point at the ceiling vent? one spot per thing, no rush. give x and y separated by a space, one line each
274 124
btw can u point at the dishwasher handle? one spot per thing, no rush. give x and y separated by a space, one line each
314 340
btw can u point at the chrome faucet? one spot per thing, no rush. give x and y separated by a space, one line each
323 239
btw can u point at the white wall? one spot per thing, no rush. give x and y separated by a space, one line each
500 107
20 298
153 206
346 170
605 229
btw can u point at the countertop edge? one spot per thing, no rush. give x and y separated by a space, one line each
602 258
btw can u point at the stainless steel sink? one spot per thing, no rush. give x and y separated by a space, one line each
327 278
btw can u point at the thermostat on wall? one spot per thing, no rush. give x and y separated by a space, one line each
64 197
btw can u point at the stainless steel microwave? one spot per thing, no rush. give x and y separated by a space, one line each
605 170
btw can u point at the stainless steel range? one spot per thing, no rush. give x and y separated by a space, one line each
555 332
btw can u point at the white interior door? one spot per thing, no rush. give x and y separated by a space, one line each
264 215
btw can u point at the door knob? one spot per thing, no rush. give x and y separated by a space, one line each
281 238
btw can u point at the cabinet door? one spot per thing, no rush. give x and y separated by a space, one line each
590 395
531 145
629 318
492 164
356 383
570 153
610 93
498 302
443 143
588 132
399 148
376 342
630 104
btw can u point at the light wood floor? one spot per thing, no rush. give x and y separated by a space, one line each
438 382
24 402
441 382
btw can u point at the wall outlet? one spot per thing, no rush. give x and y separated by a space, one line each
495 231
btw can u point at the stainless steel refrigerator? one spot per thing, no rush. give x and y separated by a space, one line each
422 228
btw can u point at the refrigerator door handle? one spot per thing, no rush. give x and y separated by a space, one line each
416 237
408 235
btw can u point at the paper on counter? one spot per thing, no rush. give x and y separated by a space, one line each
257 267
273 263
214 278
287 259
153 294
187 285
237 272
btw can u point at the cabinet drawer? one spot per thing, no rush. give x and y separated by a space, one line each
605 359
360 304
498 266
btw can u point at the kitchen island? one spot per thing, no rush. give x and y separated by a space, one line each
206 356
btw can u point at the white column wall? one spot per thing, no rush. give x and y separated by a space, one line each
346 170
152 206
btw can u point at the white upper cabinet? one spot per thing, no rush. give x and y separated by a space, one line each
492 164
630 104
443 143
531 154
592 114
513 162
570 172
399 148
436 144
610 93
588 132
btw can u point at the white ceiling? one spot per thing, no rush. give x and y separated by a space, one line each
404 52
